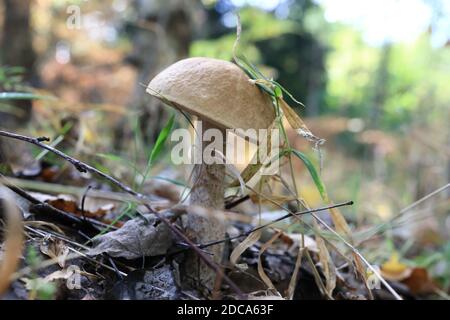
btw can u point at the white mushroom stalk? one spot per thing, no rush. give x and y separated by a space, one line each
220 94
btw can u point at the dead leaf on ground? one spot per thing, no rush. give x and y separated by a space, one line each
137 238
394 270
55 250
71 206
419 282
416 279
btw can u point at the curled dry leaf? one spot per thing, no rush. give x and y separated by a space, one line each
55 249
137 238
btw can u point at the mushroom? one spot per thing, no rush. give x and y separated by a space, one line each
220 94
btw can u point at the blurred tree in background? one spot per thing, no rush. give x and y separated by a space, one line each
161 33
295 56
17 56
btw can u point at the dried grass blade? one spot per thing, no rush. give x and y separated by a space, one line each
261 271
13 244
244 245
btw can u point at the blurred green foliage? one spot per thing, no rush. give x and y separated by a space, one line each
330 67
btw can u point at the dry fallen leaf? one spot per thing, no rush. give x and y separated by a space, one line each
394 270
416 279
55 250
419 282
71 206
137 238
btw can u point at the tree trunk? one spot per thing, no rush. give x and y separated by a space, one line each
16 51
381 86
161 35
17 48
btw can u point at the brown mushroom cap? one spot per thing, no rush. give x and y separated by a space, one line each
216 91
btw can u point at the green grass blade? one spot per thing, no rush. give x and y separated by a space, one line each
162 137
313 172
23 96
157 148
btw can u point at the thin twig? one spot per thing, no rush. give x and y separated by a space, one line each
234 203
246 234
43 234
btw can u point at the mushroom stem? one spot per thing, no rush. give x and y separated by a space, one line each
207 192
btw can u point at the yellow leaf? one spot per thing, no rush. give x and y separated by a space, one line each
394 270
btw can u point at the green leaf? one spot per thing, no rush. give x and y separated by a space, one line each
278 92
22 96
163 135
313 172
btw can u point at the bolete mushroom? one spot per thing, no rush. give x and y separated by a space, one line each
220 94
